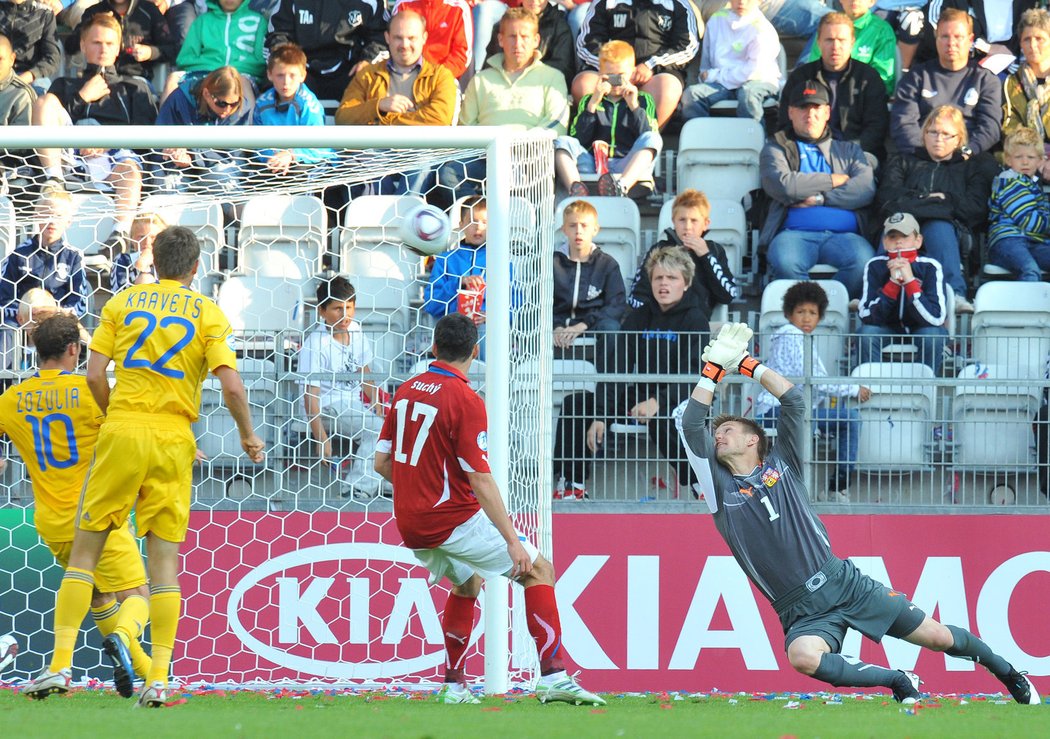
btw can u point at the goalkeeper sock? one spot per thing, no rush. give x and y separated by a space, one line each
71 605
134 612
541 613
839 670
165 602
457 622
968 646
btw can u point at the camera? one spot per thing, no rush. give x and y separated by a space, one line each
615 80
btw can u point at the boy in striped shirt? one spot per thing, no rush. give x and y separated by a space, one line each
1019 214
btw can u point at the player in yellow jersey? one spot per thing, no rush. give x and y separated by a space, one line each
163 339
53 421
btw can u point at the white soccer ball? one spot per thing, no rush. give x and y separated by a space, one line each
426 230
8 650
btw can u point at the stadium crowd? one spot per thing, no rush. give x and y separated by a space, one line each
938 115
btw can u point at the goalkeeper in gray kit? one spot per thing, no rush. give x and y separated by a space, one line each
761 508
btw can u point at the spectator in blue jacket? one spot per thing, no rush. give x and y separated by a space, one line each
904 295
462 268
46 261
1019 236
288 103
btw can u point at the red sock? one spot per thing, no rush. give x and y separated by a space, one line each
457 623
541 612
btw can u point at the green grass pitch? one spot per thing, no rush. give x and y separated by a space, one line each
308 714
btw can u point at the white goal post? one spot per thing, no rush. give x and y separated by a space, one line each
518 185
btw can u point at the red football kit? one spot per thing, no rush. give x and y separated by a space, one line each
436 432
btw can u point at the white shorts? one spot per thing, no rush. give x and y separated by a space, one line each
474 546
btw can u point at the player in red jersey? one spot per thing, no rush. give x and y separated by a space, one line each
433 448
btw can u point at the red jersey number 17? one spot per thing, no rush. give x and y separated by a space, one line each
419 411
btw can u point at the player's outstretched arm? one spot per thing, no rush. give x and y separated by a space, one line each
97 381
487 492
236 399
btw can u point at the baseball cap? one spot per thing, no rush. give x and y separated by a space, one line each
812 92
904 223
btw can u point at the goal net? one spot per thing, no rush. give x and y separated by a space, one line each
293 570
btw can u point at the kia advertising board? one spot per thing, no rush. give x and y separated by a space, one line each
648 602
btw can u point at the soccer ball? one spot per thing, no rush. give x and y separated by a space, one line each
426 230
8 650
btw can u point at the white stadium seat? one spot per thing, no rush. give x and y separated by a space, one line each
1011 326
992 421
720 156
896 422
282 235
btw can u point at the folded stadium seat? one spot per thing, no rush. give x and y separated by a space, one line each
8 239
1011 325
992 424
831 335
728 228
720 155
265 313
282 235
92 223
620 226
896 423
204 218
216 432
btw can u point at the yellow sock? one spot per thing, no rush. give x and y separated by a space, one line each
134 612
106 617
165 602
71 605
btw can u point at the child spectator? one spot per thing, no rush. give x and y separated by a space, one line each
664 36
904 295
621 120
462 268
1018 210
874 41
135 267
658 338
588 286
288 103
30 28
16 95
347 408
145 33
449 32
713 282
337 36
229 34
557 42
46 261
804 306
739 60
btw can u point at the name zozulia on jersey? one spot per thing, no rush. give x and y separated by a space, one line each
55 399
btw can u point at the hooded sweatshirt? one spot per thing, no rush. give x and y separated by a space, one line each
218 39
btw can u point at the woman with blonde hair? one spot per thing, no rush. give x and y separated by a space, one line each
945 187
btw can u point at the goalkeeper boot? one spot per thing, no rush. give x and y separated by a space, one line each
562 686
50 683
1021 688
154 695
117 652
456 693
906 688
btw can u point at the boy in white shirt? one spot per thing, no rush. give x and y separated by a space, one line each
349 408
739 60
